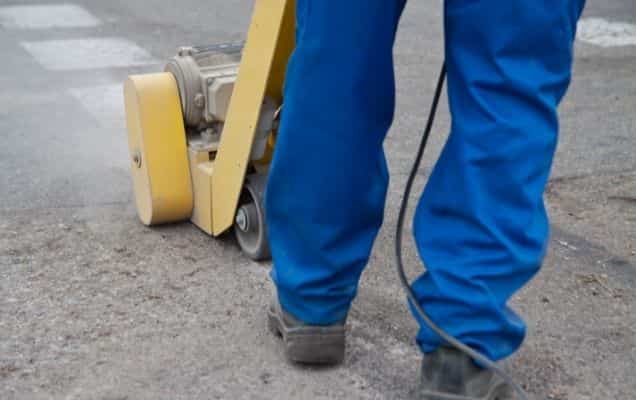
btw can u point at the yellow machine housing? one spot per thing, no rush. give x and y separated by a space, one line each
161 177
201 134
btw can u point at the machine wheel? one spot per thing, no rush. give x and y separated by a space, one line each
249 223
158 153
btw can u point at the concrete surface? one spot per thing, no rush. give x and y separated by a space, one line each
95 306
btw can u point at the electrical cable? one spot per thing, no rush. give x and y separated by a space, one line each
476 356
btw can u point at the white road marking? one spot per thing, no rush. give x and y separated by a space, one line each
604 33
46 16
90 53
104 103
105 143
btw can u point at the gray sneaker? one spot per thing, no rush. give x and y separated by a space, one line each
307 344
448 374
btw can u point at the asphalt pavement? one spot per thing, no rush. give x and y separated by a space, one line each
95 306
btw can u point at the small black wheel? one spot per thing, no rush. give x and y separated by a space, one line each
249 223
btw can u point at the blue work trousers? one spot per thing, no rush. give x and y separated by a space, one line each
481 226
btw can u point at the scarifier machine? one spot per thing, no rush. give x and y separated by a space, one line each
201 134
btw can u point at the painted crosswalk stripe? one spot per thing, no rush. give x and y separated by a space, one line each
604 33
104 102
46 16
90 53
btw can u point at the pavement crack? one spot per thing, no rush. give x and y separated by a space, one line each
571 178
624 199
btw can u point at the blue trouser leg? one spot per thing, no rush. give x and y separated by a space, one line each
481 226
327 185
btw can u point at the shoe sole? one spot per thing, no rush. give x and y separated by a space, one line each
310 344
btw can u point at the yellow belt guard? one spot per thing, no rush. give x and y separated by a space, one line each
157 145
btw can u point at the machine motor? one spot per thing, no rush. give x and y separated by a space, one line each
205 77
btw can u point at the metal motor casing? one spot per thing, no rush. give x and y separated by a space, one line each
205 77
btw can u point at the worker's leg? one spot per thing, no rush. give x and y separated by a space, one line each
328 179
481 225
